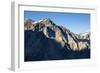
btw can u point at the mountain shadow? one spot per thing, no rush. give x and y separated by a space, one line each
38 47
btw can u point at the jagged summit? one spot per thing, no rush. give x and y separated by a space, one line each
59 33
47 19
47 22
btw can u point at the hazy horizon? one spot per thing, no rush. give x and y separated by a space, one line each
75 22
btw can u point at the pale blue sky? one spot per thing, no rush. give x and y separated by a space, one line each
75 22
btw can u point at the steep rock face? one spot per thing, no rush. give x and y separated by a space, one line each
39 47
44 40
61 34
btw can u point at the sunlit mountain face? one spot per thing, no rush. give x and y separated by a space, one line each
45 40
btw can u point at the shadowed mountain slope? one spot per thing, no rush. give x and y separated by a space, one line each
44 40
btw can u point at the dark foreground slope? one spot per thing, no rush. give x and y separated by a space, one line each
38 47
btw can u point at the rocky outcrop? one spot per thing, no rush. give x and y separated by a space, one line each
28 24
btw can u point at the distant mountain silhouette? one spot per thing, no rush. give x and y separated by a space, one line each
44 40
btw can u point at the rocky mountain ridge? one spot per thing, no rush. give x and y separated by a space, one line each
60 34
45 40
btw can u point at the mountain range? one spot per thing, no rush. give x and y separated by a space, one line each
45 40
